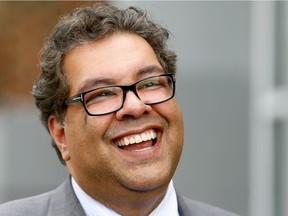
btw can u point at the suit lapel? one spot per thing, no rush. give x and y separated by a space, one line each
64 201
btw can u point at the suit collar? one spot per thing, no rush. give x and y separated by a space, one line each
65 203
182 206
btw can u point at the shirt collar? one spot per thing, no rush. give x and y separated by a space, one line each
167 207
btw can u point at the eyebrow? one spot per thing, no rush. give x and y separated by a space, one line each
148 70
93 82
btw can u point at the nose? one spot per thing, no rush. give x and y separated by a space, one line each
133 107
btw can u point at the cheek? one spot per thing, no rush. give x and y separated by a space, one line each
90 125
86 132
172 113
86 143
176 124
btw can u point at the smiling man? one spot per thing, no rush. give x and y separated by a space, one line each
106 95
124 156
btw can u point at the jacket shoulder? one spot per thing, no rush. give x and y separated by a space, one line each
188 207
61 201
36 205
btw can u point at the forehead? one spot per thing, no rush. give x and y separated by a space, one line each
120 58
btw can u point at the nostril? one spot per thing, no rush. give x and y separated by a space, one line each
130 116
133 110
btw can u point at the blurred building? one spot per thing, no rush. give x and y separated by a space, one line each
28 164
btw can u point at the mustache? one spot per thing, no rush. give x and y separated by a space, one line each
120 127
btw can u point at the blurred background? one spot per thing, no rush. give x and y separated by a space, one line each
231 83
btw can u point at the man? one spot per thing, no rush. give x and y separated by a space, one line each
106 95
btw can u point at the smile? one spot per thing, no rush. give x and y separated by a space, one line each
138 142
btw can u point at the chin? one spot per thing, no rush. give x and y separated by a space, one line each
145 183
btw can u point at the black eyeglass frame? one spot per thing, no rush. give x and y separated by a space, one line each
125 88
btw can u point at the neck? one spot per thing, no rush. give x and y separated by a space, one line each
125 201
140 203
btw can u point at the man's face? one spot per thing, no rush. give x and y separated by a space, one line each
89 143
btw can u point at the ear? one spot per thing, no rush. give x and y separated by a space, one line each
57 131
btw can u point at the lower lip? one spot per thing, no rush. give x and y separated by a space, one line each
142 146
144 152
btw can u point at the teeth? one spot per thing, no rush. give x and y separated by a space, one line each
148 136
137 138
131 140
144 137
126 141
153 134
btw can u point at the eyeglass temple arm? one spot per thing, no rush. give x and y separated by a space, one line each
73 100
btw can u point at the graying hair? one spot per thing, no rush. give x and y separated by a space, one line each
84 25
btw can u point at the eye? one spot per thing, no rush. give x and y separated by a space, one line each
100 95
149 84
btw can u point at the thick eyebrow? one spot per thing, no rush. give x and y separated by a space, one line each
93 82
148 70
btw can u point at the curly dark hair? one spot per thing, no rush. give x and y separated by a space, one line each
81 26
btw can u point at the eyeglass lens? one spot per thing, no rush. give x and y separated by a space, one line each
108 99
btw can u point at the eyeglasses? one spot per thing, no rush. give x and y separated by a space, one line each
108 99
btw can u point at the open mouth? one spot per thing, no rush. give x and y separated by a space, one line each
138 142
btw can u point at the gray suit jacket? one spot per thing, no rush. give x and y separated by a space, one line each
63 202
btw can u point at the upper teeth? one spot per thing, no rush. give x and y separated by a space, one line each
137 138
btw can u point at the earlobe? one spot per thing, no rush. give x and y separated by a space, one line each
57 131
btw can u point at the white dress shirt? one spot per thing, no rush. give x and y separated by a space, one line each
167 207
